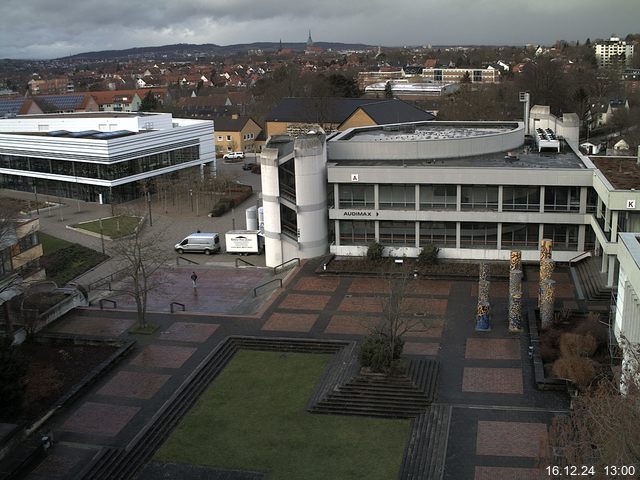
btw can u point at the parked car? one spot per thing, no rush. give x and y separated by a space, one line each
233 155
199 242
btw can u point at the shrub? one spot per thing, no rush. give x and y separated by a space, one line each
592 325
222 207
579 370
575 345
428 255
374 252
13 371
375 352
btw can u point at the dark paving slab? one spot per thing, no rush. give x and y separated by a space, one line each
510 439
189 332
317 284
508 473
61 462
351 324
134 385
290 322
493 348
100 326
295 301
99 419
415 348
361 304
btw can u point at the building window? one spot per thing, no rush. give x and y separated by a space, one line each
478 235
357 232
219 138
479 197
564 237
562 199
521 198
287 180
228 138
398 233
356 196
399 196
521 235
288 222
438 197
592 200
440 234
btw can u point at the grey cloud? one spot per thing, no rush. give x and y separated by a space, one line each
48 28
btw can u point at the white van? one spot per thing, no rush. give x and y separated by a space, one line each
199 242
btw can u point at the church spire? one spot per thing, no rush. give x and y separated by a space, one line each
309 40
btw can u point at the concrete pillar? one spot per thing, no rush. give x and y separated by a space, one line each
458 198
612 271
599 207
581 237
483 291
546 247
583 200
483 271
376 227
547 300
515 260
271 206
607 220
515 313
541 202
603 266
376 197
336 195
417 196
417 234
546 271
458 230
614 225
500 199
336 229
499 235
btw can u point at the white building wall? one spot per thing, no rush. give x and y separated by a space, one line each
271 206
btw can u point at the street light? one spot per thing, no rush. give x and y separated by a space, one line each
191 198
149 207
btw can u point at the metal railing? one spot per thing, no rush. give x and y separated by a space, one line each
172 304
188 260
278 280
112 302
286 264
581 256
243 261
107 280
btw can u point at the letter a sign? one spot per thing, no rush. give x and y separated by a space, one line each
354 177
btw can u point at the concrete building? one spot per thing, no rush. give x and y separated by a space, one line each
457 75
405 89
613 51
235 134
477 190
101 156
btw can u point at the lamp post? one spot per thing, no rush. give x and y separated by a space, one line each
149 207
101 235
191 198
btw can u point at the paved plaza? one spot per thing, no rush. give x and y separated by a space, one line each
499 422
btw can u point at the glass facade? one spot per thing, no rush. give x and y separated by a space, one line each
398 233
438 197
289 222
565 237
562 199
111 171
397 196
440 234
356 196
357 233
478 235
287 180
520 198
479 197
520 235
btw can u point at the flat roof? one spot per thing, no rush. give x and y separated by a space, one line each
88 115
524 157
623 173
427 131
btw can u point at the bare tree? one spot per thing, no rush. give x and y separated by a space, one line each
142 259
603 427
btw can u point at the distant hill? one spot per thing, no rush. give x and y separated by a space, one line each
184 49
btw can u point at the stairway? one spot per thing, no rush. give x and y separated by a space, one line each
592 281
426 451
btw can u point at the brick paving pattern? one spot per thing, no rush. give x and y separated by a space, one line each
510 439
295 301
134 385
103 327
492 380
317 284
415 348
290 322
369 285
99 419
163 356
493 349
433 307
362 304
496 289
351 324
431 328
189 332
430 287
508 473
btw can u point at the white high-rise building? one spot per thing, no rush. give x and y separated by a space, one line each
612 50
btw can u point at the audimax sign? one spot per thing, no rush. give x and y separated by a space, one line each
359 213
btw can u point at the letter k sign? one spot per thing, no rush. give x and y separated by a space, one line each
631 204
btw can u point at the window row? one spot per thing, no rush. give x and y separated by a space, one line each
524 236
101 171
472 197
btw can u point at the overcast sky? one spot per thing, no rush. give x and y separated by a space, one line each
54 28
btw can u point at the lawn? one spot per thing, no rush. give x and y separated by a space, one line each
63 261
252 418
114 227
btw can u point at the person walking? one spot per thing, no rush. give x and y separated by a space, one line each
194 279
